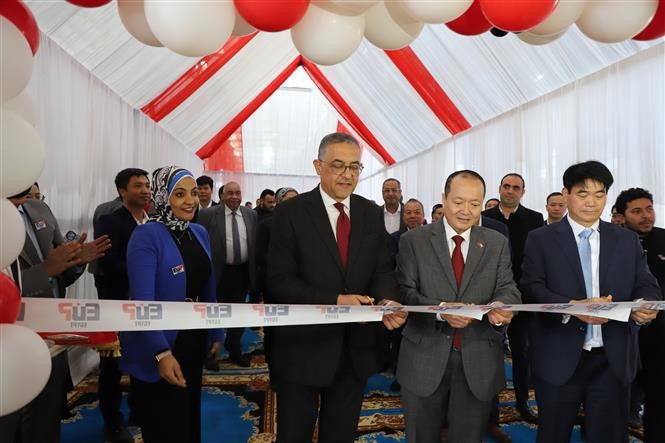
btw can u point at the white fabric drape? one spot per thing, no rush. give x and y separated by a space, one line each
615 116
90 134
251 185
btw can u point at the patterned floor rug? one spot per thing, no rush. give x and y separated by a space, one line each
238 406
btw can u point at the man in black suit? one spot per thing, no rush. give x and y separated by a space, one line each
392 206
328 247
133 187
232 229
636 207
266 204
205 186
585 359
520 221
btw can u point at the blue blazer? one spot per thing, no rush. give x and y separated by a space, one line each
552 273
151 255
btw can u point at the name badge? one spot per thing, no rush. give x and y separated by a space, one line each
178 269
41 224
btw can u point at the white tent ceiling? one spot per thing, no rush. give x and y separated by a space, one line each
484 77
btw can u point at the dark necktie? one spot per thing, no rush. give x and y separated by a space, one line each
343 233
235 235
458 268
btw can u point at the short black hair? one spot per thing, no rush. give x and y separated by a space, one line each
628 196
267 192
205 180
589 170
415 200
399 185
435 207
463 173
553 194
513 174
123 177
220 192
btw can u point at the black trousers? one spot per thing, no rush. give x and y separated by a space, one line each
233 288
168 413
605 401
110 393
338 407
518 334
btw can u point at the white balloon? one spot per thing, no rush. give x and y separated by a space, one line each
12 233
346 7
15 61
435 11
566 12
537 40
388 27
241 27
192 28
21 105
23 154
132 15
613 21
25 367
311 35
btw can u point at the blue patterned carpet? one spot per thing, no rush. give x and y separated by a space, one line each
238 406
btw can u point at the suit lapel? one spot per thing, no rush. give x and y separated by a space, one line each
218 230
319 216
357 229
607 246
565 239
440 245
474 254
29 253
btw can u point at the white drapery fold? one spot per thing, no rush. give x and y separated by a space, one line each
90 134
615 116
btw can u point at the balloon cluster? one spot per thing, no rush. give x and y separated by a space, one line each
25 362
329 31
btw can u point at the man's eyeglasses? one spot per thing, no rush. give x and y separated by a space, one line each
340 168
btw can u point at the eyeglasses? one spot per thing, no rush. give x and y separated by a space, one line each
340 168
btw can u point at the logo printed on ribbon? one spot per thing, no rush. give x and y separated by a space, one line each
79 314
334 312
213 314
271 313
143 313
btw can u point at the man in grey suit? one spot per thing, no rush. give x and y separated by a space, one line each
232 229
451 367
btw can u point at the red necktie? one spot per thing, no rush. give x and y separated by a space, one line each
343 233
458 268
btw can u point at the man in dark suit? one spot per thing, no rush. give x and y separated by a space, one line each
584 359
133 187
520 220
232 229
205 185
636 207
328 247
450 366
45 268
266 204
393 207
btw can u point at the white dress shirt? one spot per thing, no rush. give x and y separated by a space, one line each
392 221
333 212
594 242
242 232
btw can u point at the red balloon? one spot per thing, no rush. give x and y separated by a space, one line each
472 22
272 15
10 299
89 3
517 15
20 15
656 27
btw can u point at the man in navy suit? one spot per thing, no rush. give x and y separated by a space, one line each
583 359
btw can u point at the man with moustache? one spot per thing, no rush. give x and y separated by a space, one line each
232 229
583 359
392 206
328 247
451 366
636 207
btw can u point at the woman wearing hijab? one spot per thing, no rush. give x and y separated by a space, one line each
168 259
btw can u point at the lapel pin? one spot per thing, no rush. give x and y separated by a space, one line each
480 244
